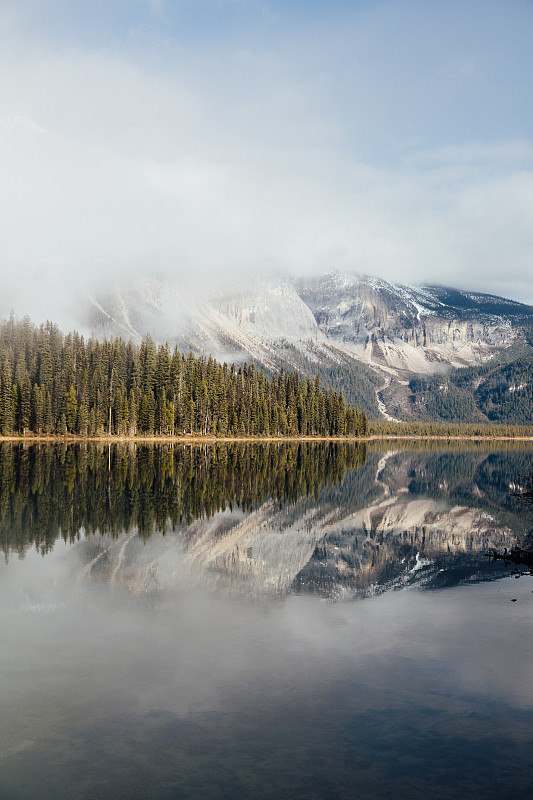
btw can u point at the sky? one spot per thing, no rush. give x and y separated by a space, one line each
213 138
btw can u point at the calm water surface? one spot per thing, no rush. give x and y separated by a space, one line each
297 621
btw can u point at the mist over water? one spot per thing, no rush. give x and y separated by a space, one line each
210 660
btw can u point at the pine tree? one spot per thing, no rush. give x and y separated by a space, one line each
83 418
25 404
62 426
37 409
71 409
7 415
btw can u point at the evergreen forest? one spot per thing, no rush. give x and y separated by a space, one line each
497 392
56 384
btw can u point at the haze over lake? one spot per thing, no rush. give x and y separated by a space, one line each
295 620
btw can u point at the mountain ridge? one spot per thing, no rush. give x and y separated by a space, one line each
359 333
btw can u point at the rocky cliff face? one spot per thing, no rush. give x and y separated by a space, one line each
406 329
399 330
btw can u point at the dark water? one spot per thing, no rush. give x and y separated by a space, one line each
311 621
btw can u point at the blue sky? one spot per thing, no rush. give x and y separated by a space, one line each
222 136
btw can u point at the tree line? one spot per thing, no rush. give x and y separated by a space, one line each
51 383
445 430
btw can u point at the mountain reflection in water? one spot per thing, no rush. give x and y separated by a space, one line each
339 520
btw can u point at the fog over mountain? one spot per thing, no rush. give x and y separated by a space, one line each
395 328
363 335
392 326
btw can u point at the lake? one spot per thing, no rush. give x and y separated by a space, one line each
264 621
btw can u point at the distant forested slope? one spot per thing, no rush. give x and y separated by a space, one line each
357 381
498 391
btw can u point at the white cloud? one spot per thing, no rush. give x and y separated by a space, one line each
221 162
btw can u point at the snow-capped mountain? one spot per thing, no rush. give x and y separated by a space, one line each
335 323
394 327
406 329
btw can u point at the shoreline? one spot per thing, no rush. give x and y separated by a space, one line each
184 439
